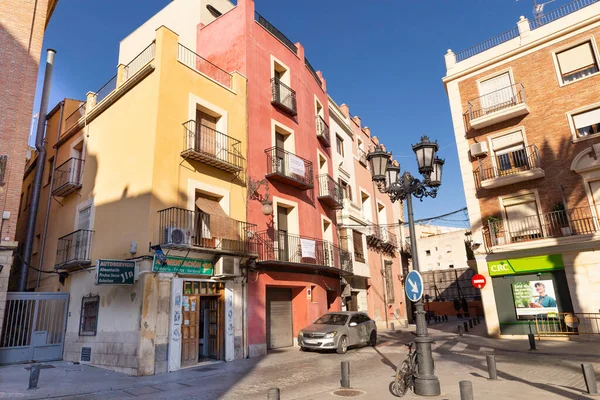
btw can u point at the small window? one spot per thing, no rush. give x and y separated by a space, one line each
451 266
339 145
427 252
311 295
577 62
359 254
346 189
88 323
587 123
389 282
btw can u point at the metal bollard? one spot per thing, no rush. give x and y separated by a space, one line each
273 394
531 338
475 321
590 378
446 317
491 364
470 323
460 330
466 390
466 326
345 374
392 327
34 376
478 320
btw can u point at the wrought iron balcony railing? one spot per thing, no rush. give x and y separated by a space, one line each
284 247
283 97
212 147
507 164
330 192
323 131
497 106
288 168
275 32
139 61
362 157
202 65
555 224
74 249
181 228
67 177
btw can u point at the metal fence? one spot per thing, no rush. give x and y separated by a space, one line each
488 44
497 100
328 187
140 60
106 89
212 144
323 131
283 96
511 163
560 12
565 323
75 116
74 249
67 177
562 223
202 65
288 165
312 71
179 227
275 32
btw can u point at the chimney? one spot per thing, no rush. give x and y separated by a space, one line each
375 140
356 119
367 130
345 110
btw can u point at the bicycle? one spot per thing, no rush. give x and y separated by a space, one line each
406 372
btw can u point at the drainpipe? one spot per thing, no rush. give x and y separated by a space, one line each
385 305
245 312
39 173
48 204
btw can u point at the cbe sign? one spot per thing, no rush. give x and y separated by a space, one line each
478 281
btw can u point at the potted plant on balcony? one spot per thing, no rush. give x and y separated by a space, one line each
493 225
561 219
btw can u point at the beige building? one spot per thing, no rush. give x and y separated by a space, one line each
526 120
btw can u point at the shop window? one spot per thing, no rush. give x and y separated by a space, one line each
577 62
88 322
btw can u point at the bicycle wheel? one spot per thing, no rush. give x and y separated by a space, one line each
403 378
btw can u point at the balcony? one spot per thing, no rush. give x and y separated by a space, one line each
67 177
211 147
353 211
506 169
323 132
330 192
497 106
196 230
390 241
74 250
362 157
303 253
375 238
283 97
555 224
288 168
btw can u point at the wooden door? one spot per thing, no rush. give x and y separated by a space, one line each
206 133
190 326
214 349
279 154
282 233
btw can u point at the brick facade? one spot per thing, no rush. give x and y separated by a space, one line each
22 25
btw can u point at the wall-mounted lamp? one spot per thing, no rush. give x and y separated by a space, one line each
253 186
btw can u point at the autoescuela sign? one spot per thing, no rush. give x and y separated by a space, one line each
115 272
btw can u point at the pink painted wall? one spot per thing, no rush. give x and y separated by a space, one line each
304 312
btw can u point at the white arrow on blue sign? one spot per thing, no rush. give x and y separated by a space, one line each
414 286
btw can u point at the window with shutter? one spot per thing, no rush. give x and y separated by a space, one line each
522 216
389 282
357 241
587 123
577 62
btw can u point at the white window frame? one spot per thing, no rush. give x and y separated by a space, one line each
285 79
590 39
81 206
290 141
517 194
572 113
495 75
490 138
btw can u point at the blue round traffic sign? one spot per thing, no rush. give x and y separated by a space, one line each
413 285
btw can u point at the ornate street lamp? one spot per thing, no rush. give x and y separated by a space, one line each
386 174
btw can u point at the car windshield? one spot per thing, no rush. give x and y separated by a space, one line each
332 319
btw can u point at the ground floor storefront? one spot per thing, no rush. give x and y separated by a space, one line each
541 293
282 303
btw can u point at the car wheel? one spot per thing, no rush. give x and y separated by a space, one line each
373 339
342 345
304 349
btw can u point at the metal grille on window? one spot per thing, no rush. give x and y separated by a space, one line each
389 282
88 322
3 165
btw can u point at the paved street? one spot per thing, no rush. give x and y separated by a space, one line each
550 374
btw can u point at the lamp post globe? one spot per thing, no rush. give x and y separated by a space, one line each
393 173
436 175
378 160
425 151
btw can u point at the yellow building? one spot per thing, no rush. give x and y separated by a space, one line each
156 157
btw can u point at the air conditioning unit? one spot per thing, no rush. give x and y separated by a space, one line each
175 235
227 267
479 149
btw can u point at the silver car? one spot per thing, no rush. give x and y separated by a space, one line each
338 330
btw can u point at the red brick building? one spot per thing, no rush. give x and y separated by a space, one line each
526 114
22 26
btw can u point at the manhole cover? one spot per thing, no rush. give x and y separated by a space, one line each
348 393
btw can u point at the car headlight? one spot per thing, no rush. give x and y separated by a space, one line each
329 335
300 333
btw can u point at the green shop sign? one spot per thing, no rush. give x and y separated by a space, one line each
525 265
184 265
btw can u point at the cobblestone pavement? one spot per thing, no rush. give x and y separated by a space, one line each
299 375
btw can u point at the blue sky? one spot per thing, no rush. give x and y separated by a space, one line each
383 58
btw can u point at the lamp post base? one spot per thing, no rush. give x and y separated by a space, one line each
426 383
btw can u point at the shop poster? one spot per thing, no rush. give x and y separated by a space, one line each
533 298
